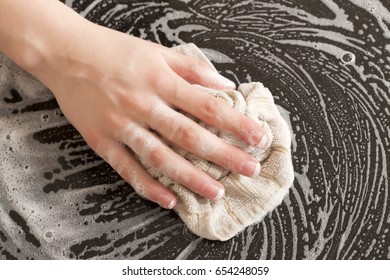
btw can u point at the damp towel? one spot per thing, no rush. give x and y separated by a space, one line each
247 200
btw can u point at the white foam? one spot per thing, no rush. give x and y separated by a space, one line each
217 56
376 8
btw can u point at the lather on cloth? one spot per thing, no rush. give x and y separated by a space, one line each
247 200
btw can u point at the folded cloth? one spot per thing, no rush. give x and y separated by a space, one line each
247 200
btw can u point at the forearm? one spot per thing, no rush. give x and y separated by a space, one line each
32 31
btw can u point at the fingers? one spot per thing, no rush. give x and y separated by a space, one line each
154 152
217 113
197 71
209 109
130 170
197 140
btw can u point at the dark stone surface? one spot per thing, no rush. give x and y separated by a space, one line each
327 64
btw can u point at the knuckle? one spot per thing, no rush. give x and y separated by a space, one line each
192 177
132 135
197 181
228 158
137 139
164 83
125 169
93 141
141 189
121 172
112 120
210 107
202 187
140 184
245 126
98 143
187 136
157 157
156 81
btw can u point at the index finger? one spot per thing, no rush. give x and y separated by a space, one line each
217 113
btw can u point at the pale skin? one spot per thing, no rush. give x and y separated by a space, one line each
114 88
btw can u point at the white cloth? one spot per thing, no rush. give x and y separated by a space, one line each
247 200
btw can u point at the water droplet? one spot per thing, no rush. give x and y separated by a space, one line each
348 57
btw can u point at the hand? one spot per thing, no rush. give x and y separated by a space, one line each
114 88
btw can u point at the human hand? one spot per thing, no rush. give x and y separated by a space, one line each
115 88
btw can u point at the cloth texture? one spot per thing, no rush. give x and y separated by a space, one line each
247 200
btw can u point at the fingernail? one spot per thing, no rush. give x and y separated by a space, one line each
166 202
220 193
228 83
251 168
263 142
225 81
171 205
259 139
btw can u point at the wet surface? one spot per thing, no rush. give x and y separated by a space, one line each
327 64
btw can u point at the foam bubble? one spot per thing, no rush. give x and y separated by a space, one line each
49 234
348 58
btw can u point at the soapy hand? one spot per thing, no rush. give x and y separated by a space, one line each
122 94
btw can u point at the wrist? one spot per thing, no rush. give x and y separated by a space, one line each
36 33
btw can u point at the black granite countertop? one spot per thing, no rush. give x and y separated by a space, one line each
327 63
